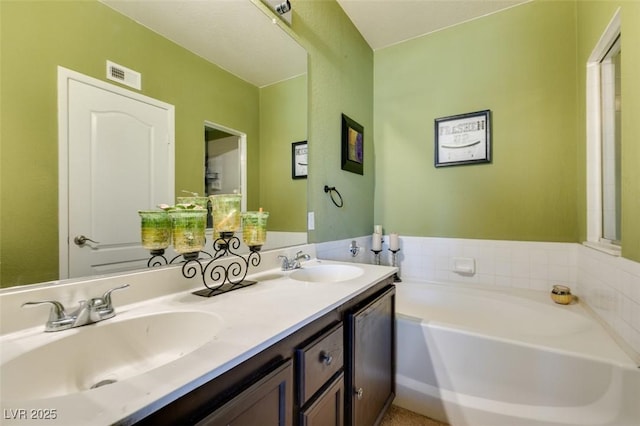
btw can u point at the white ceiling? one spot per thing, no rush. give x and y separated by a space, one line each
387 22
235 34
242 39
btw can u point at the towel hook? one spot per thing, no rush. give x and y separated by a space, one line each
331 190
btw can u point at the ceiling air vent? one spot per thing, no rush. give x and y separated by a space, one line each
124 75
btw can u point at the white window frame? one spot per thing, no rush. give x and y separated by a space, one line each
594 139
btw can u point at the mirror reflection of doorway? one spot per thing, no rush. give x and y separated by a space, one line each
224 163
116 157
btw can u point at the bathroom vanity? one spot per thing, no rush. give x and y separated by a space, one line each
337 370
313 346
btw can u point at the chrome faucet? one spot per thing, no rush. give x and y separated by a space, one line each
294 262
94 310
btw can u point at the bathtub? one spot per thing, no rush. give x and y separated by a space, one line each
508 357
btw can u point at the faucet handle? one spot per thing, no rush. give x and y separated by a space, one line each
107 295
284 262
57 311
101 308
302 255
58 318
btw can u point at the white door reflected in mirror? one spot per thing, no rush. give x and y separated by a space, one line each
116 157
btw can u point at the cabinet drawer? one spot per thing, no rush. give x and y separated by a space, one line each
319 361
328 408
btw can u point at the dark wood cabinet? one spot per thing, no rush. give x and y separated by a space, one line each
371 360
268 402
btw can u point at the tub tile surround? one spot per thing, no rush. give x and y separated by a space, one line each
608 285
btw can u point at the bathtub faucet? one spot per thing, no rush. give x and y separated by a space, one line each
294 262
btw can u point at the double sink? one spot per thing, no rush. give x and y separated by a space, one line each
143 337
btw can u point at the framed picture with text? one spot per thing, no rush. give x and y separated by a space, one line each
463 139
299 161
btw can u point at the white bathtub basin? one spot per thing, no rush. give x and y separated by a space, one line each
327 273
107 352
472 357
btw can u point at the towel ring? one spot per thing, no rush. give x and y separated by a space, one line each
331 190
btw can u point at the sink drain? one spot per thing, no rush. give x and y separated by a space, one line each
103 383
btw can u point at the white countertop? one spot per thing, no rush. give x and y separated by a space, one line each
253 319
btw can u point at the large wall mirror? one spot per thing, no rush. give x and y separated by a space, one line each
228 63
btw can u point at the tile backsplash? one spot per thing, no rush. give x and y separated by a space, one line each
609 285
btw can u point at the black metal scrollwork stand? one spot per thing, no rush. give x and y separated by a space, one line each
158 258
216 277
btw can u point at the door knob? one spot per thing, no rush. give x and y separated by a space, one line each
360 393
82 240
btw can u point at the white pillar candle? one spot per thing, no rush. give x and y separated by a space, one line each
376 241
377 229
394 242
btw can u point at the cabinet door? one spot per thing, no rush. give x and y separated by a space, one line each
268 402
371 360
328 409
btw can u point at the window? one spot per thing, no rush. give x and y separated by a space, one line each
604 140
610 142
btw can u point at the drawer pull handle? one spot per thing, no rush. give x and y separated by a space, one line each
326 358
360 393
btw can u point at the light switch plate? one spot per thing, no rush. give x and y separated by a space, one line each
311 221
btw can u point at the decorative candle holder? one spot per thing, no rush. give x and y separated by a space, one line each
219 278
394 262
225 210
155 230
561 294
188 231
254 229
376 256
202 202
187 227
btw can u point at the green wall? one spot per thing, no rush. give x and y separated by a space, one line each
283 120
340 81
36 37
593 17
528 65
520 64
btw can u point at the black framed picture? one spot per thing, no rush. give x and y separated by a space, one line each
463 139
299 160
352 146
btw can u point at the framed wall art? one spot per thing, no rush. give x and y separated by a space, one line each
463 139
299 160
352 146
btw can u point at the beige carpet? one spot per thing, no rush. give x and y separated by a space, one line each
397 416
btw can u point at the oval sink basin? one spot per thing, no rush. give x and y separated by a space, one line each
327 273
97 355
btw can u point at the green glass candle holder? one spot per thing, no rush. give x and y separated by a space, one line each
201 202
155 229
254 229
188 230
225 210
